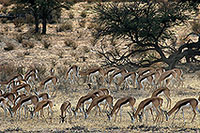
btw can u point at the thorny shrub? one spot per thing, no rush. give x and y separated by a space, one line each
64 27
70 43
9 46
46 44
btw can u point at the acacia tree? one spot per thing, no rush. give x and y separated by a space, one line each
147 25
41 9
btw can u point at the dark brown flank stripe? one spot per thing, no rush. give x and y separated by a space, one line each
29 72
44 105
168 75
87 97
116 73
27 99
125 101
48 79
43 94
70 69
127 75
22 86
188 101
143 78
145 71
93 70
102 98
149 101
158 92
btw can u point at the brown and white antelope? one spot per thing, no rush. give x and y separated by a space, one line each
118 105
12 81
22 88
166 78
116 77
40 107
163 91
72 74
191 103
81 102
149 103
4 105
49 80
129 77
96 101
10 97
65 107
23 102
146 78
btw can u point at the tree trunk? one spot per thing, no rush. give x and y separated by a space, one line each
36 25
44 25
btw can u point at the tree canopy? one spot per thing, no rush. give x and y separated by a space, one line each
40 9
148 26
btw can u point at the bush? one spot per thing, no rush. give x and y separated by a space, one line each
18 22
83 14
71 15
9 46
82 23
64 27
70 43
46 44
196 26
27 44
19 38
5 2
86 49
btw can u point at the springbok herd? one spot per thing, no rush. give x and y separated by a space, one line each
20 92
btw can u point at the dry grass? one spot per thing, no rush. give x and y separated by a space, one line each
100 123
64 49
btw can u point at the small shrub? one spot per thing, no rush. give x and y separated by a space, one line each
19 38
93 42
196 26
9 46
29 19
38 37
64 27
83 14
5 2
71 15
3 20
46 44
82 23
27 44
70 43
86 49
18 22
4 9
60 53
